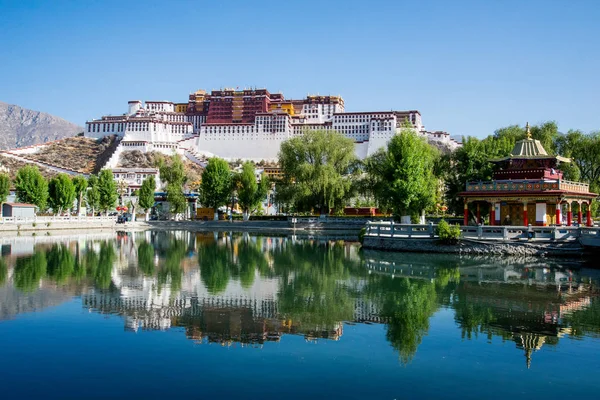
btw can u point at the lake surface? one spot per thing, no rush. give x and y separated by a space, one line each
196 315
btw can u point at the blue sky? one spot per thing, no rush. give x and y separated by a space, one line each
469 67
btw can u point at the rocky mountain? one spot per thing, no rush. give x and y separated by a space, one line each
21 127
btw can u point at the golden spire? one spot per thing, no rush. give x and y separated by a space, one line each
528 131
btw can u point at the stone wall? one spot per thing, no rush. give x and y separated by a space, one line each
473 247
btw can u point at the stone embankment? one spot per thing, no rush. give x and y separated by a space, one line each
473 247
45 225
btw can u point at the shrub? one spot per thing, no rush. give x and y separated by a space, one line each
448 234
361 235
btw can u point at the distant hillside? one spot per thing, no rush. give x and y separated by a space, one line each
78 154
20 127
137 159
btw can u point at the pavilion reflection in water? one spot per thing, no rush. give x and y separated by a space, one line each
523 300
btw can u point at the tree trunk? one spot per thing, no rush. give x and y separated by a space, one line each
147 215
246 216
216 216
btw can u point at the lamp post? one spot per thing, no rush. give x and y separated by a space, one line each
122 187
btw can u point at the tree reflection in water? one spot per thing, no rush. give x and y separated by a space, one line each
3 272
315 286
29 271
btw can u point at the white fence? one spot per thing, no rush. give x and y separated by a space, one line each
67 219
563 233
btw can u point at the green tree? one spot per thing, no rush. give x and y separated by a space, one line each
81 185
31 187
61 193
403 174
146 194
584 150
107 190
317 169
250 192
176 199
216 184
92 196
4 189
173 173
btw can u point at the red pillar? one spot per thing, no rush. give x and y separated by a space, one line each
569 214
525 219
478 215
466 221
558 214
492 214
588 221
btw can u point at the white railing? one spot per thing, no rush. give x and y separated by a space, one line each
335 220
40 220
505 233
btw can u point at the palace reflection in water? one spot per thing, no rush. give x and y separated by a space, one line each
243 290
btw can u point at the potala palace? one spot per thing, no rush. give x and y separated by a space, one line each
249 124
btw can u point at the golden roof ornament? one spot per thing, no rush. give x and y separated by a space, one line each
528 131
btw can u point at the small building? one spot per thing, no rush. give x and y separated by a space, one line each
528 188
18 210
131 179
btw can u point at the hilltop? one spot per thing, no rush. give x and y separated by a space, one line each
20 127
76 154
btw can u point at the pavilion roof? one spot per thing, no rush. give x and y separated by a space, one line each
530 148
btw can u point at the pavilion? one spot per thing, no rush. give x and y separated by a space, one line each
528 188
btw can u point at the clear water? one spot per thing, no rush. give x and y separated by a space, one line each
188 315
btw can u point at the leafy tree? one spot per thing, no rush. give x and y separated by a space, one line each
404 179
107 190
81 185
92 196
251 193
61 193
584 150
317 169
173 173
216 184
31 187
146 194
4 189
176 198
